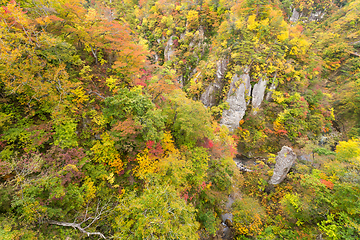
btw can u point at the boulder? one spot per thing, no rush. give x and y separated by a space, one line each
228 223
284 160
240 90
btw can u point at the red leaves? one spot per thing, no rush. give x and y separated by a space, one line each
5 9
207 143
281 132
157 150
328 184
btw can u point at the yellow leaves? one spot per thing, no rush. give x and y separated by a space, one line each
16 12
32 211
271 158
300 46
146 164
244 134
71 166
91 15
278 97
252 23
117 164
293 200
239 23
168 143
278 126
192 19
283 36
122 193
332 115
349 151
248 217
264 22
90 189
5 119
195 85
85 73
175 169
110 178
97 118
105 152
111 82
80 95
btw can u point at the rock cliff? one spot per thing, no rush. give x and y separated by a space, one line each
238 99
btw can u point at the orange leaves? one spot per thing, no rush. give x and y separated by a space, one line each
101 34
127 127
328 184
29 70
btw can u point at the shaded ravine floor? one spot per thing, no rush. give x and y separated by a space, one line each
227 217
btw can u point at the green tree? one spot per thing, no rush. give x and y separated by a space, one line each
158 213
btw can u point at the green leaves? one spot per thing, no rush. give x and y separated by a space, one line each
65 133
133 116
158 213
189 120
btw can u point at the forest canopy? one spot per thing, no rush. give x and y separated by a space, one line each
121 119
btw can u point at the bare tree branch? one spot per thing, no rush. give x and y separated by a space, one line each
97 215
355 53
89 92
77 226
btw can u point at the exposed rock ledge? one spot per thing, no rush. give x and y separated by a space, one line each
240 90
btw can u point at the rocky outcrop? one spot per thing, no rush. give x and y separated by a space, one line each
240 89
242 167
270 91
169 51
284 160
313 16
295 16
258 94
208 98
316 16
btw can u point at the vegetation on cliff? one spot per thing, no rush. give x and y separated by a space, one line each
103 134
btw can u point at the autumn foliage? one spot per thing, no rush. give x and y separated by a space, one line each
104 132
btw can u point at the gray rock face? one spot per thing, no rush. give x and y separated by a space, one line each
284 160
270 92
295 16
221 67
258 94
169 51
316 16
305 157
240 88
208 98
